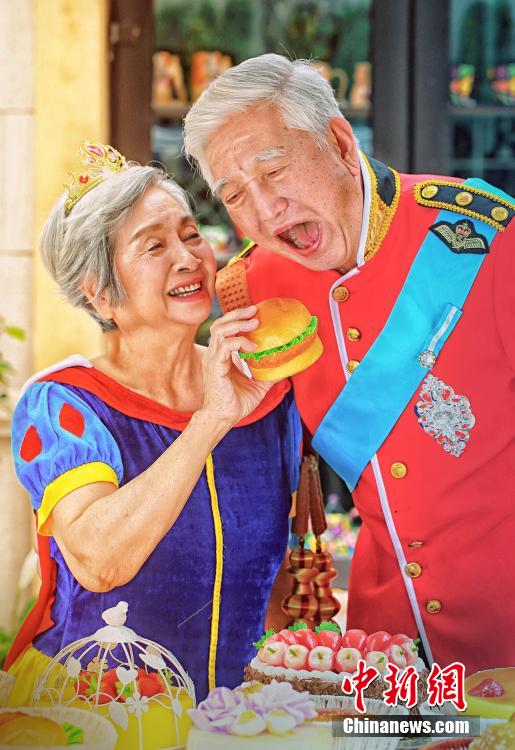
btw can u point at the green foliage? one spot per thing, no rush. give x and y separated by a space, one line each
328 625
268 634
298 626
7 636
6 369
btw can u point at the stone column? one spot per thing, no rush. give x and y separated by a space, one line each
16 252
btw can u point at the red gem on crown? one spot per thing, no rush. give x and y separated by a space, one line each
97 161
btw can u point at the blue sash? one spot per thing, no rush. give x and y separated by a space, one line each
424 315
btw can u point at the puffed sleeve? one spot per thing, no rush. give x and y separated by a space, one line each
59 444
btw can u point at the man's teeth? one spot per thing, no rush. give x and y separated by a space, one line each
185 291
294 239
308 234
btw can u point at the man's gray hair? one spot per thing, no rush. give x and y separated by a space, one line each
304 100
81 246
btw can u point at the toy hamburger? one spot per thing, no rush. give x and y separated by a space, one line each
287 340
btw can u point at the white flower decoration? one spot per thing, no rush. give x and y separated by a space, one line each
137 704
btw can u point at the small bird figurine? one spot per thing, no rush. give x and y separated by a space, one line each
116 616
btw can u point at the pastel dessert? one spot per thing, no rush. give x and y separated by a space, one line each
20 729
491 693
316 660
255 716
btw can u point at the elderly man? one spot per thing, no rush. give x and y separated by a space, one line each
411 280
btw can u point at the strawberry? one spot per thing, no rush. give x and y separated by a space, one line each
110 676
397 656
306 638
86 683
296 657
322 658
355 639
330 639
487 689
380 641
269 635
273 653
108 690
287 636
149 686
377 659
410 652
399 639
329 634
346 660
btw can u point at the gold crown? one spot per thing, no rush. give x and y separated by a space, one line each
96 159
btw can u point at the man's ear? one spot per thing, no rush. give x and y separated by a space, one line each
101 302
342 137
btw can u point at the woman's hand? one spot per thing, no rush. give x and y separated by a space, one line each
229 394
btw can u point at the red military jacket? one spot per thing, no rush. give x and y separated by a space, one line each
453 515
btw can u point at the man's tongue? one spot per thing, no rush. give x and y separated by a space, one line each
302 235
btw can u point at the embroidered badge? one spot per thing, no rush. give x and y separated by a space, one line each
445 415
461 237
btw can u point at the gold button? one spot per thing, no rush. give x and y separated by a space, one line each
499 213
352 365
398 470
464 198
353 334
429 191
341 293
433 606
416 544
413 570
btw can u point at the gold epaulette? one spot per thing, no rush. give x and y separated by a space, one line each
465 199
246 251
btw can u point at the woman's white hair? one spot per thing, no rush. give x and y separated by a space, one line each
81 246
303 98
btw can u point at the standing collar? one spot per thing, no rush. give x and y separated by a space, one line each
367 203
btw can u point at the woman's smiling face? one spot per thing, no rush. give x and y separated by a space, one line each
165 267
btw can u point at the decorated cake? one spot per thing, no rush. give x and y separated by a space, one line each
491 693
316 660
255 716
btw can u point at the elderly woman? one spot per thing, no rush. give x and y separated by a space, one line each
160 474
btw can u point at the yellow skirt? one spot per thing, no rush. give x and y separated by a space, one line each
161 728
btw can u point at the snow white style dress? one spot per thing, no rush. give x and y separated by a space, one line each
203 592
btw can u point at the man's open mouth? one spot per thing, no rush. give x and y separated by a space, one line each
301 236
185 291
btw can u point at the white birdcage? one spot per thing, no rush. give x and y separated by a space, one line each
136 683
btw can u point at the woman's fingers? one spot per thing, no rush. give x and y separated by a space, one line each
234 327
223 350
235 321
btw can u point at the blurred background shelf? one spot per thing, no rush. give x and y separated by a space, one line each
481 111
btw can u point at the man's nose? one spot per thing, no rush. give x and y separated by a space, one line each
268 203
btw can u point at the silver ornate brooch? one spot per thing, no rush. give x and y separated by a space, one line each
445 415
